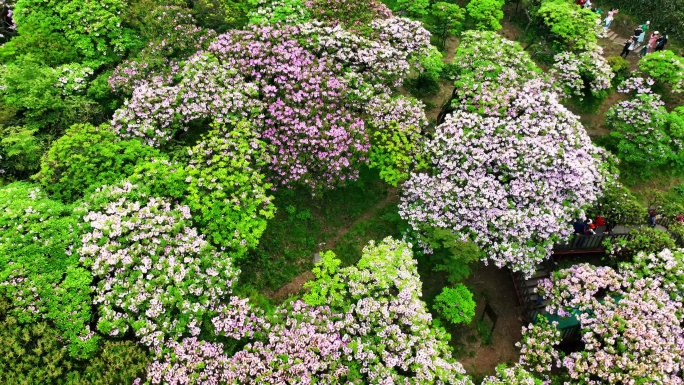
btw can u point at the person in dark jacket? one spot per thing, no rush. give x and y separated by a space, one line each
625 49
660 43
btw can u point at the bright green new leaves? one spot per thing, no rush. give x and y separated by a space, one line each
665 66
47 97
268 12
38 265
455 304
88 157
485 15
447 19
20 151
95 29
575 26
414 8
227 191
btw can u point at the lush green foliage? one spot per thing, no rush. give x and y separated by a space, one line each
47 97
227 191
455 304
664 66
20 151
446 19
647 136
88 157
86 30
620 68
643 239
485 15
618 205
414 8
40 277
575 27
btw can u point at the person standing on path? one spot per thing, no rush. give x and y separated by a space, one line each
628 45
660 43
644 28
607 22
652 41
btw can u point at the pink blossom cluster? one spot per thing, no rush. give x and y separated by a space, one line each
633 333
576 288
667 265
155 273
538 346
637 84
571 72
156 112
566 73
317 140
510 178
516 375
407 112
307 344
634 338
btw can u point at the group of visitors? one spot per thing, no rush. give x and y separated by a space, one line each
656 41
590 226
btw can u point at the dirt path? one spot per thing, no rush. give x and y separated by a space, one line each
296 285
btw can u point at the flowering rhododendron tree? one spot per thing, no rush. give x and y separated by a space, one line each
579 74
497 174
155 274
631 326
667 265
331 338
293 84
640 125
538 346
485 58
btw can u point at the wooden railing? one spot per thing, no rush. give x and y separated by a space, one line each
588 242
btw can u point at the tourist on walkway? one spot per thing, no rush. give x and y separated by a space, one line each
680 218
652 214
644 28
629 45
589 227
660 43
607 22
652 41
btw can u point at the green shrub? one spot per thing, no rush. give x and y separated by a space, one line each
88 157
455 304
574 26
485 15
39 274
664 66
20 151
620 68
446 19
227 191
414 8
47 97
